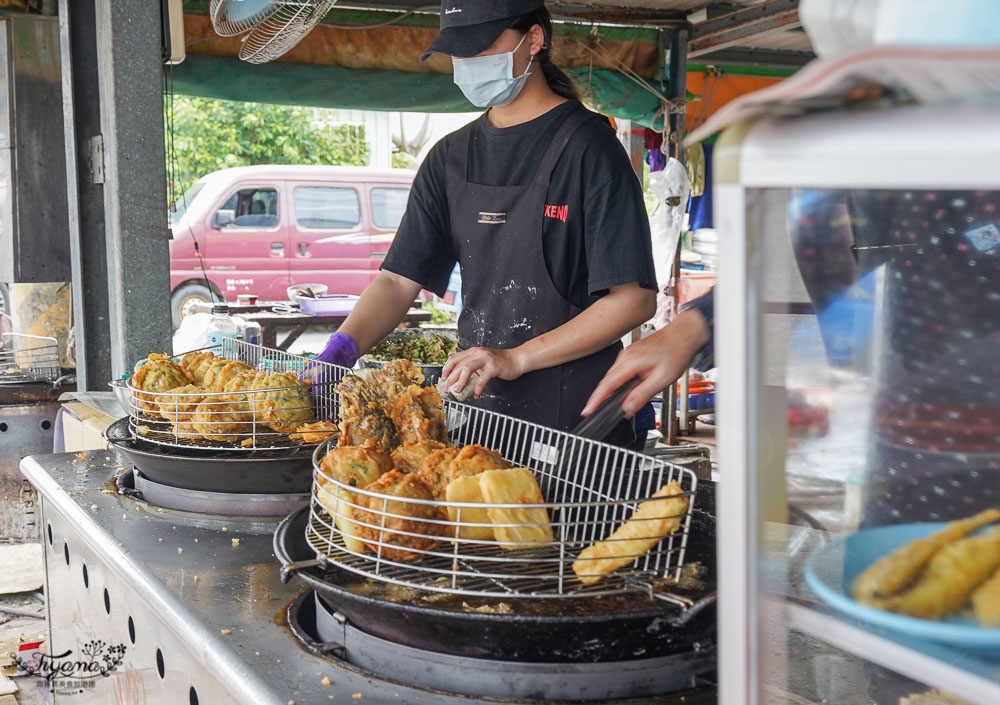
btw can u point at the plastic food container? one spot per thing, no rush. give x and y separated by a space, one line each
328 304
432 373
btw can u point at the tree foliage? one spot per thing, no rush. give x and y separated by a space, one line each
208 135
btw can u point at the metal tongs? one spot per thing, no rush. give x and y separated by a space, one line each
609 414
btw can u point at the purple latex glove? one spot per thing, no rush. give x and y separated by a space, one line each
340 350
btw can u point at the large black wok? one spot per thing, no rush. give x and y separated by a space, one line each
554 630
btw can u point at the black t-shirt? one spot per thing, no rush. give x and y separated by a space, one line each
598 239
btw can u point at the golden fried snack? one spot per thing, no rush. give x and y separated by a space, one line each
417 413
195 364
314 432
986 602
466 489
654 519
896 571
158 374
515 486
434 470
393 378
355 466
280 401
179 404
408 457
221 421
950 577
362 419
217 376
474 459
374 524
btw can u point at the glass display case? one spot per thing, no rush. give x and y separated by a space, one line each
858 343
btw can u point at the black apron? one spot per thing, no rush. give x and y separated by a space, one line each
508 296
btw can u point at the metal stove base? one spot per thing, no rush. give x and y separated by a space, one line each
562 682
237 504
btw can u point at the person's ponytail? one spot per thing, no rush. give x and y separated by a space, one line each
558 80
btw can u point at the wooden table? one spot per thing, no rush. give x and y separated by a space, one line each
301 322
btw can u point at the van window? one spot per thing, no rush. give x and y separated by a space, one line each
327 207
254 207
388 206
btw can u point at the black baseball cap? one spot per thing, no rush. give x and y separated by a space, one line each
469 27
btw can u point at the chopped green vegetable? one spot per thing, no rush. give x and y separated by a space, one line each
431 350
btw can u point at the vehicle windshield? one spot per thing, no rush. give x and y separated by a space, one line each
184 201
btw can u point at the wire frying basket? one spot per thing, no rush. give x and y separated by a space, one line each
249 398
589 489
28 358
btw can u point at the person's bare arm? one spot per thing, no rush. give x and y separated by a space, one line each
381 308
657 361
622 309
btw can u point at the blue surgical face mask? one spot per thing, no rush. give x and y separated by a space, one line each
488 81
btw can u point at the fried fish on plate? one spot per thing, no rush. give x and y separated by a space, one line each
652 521
159 374
434 470
409 456
402 527
950 577
355 466
474 459
898 570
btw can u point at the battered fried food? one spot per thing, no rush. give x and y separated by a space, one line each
466 489
158 374
434 470
653 520
409 530
354 466
314 432
363 421
179 404
221 372
280 401
392 379
409 457
515 527
986 602
417 413
196 364
896 571
950 578
221 421
474 459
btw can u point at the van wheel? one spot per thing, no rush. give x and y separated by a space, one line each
183 300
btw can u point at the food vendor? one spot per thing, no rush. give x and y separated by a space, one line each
538 203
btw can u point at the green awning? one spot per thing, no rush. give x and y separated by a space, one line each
336 87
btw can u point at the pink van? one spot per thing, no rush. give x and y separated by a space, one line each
262 228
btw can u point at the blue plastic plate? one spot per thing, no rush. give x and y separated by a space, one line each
831 570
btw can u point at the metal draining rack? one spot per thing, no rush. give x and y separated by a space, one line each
590 488
243 419
28 358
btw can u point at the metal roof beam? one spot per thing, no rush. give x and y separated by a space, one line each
759 57
579 11
743 26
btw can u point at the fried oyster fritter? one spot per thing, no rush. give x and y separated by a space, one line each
178 406
434 470
392 379
408 457
375 524
196 364
221 421
362 419
217 376
284 404
474 459
158 374
355 466
416 411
